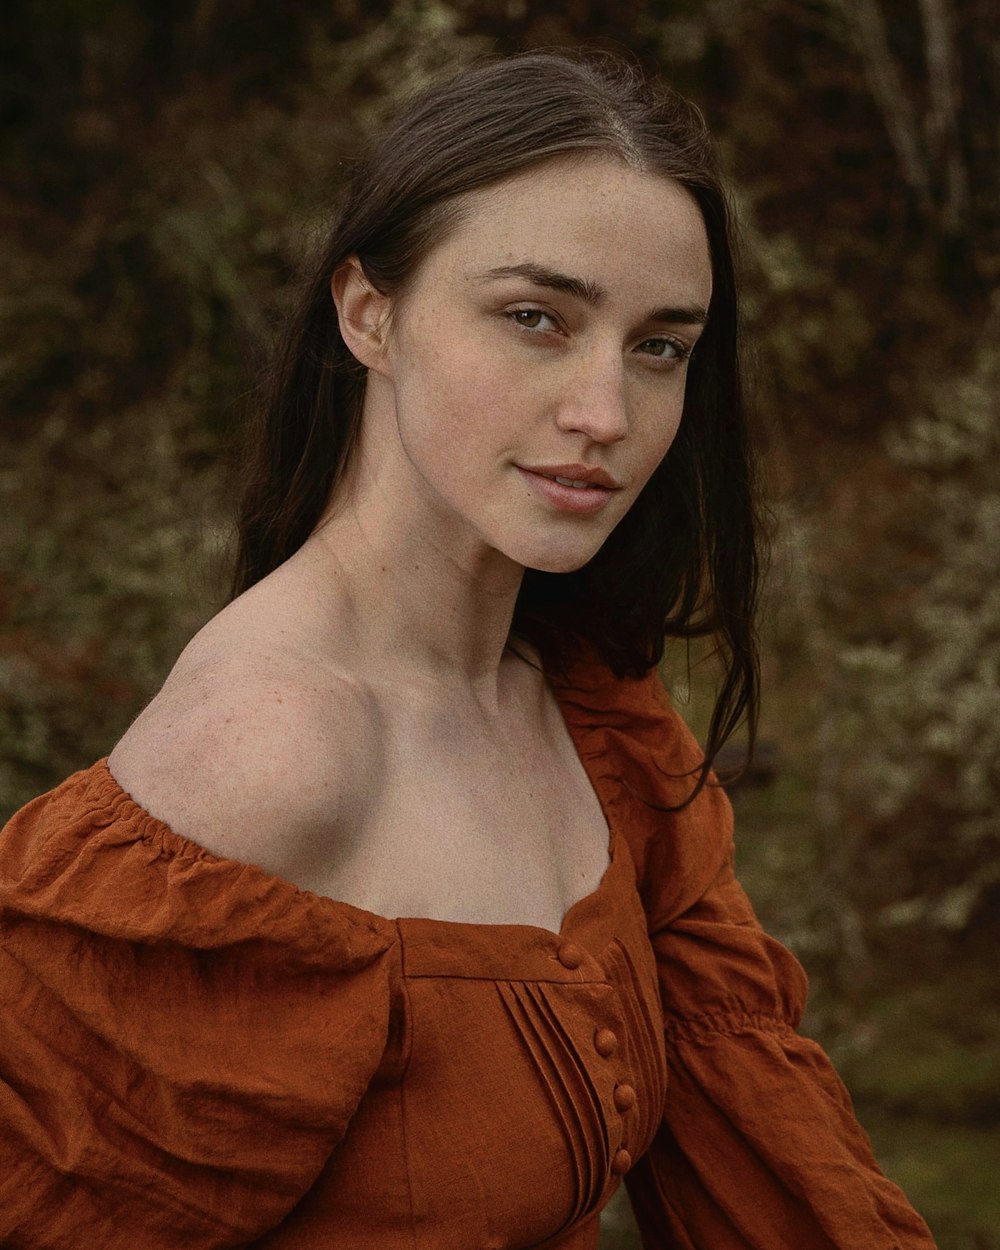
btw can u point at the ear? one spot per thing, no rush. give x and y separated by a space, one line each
363 313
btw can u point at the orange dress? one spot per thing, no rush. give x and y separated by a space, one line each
195 1054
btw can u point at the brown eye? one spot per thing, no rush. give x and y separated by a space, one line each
532 319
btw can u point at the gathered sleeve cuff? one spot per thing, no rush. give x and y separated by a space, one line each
758 1147
183 1039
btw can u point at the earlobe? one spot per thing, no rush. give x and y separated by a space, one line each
363 314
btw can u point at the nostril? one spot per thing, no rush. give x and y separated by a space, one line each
602 417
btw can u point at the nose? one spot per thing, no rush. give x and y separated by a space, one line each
594 402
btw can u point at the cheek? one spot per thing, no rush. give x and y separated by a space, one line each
660 427
456 390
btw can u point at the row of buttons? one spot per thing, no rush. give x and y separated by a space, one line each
606 1044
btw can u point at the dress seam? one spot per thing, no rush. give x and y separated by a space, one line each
401 1086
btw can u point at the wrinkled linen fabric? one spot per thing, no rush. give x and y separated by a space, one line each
196 1054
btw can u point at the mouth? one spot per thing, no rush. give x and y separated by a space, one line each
570 488
565 481
574 476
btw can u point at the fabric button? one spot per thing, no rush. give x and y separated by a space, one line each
570 956
605 1043
624 1097
621 1163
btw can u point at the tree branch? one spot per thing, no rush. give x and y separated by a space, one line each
890 95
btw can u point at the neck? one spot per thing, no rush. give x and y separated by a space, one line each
411 589
401 596
410 596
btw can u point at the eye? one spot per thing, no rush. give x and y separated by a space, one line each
532 319
667 350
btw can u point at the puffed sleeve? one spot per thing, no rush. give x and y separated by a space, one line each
758 1148
183 1039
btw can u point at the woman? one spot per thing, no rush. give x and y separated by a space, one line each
404 914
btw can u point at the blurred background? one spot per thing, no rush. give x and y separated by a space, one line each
165 170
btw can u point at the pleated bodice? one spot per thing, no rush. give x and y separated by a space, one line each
523 1073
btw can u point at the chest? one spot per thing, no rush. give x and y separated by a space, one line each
474 827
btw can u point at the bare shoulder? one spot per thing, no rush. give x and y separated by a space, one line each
255 754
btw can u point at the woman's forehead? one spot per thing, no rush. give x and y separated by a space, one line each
592 218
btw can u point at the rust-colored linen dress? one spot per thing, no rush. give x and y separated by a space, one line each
196 1054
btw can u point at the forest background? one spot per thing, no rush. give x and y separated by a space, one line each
165 168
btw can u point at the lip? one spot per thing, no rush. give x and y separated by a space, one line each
577 499
574 473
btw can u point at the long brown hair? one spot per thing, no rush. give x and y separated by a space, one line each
684 562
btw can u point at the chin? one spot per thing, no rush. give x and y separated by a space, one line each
555 550
560 561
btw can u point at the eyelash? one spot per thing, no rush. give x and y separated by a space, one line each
682 349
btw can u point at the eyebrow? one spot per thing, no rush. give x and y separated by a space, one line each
579 288
589 292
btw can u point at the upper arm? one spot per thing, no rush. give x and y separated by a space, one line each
172 1067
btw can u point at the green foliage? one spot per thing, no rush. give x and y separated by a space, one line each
916 685
953 1169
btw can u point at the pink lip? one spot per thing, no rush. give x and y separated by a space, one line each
578 499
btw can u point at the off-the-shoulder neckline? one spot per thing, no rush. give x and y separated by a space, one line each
564 687
174 844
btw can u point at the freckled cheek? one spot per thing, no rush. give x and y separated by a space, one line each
471 393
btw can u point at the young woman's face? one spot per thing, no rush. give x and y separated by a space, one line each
535 365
